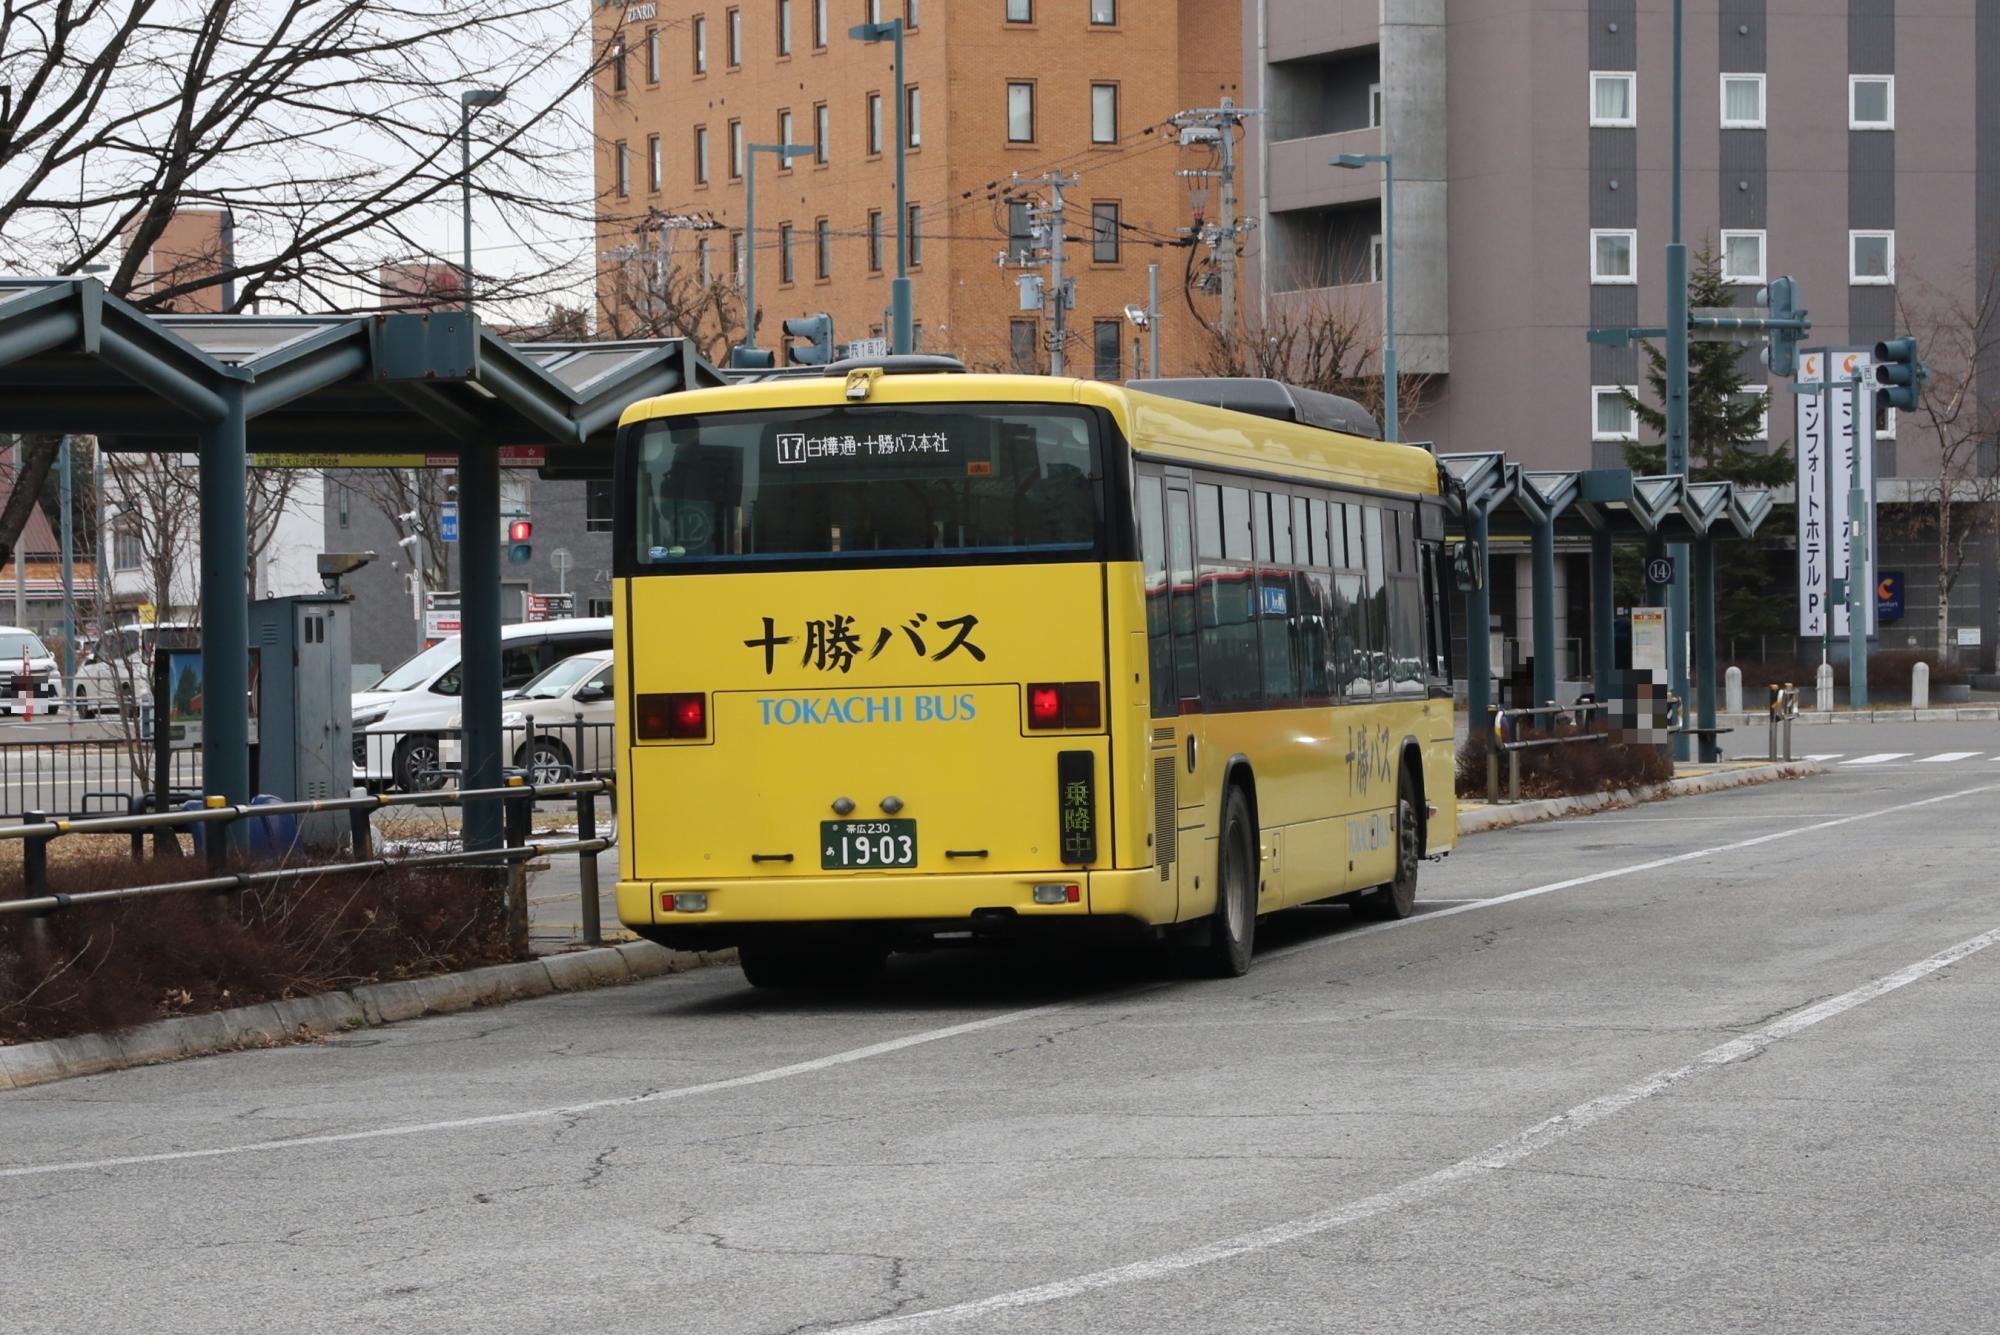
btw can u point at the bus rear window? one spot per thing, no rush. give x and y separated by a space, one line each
866 483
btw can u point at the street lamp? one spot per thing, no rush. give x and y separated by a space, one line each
901 315
1390 391
784 153
469 101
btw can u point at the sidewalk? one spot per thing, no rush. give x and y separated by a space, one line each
1478 817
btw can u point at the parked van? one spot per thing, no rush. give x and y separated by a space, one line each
397 721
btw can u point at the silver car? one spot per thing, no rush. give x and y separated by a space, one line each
541 722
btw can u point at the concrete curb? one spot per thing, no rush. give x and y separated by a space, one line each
1483 819
1954 714
271 1023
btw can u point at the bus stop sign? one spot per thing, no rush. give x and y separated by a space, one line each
1660 571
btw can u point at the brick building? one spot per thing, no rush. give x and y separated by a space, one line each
195 247
993 87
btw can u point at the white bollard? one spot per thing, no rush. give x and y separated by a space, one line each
1823 688
1732 691
1920 686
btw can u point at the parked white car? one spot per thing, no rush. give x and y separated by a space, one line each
542 717
399 720
117 672
27 667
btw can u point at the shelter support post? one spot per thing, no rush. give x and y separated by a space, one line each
1478 621
1542 551
1603 616
479 635
1703 580
225 612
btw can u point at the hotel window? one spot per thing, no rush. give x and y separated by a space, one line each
1742 101
1613 99
913 115
785 138
875 241
1020 113
624 170
1021 344
652 55
701 155
874 11
785 253
1871 101
1104 340
702 258
784 27
1871 258
1020 11
654 163
1020 232
618 63
736 150
1612 415
1611 255
913 234
1104 232
1104 113
1743 257
823 248
738 256
822 132
700 44
1760 399
819 24
1103 12
909 13
733 27
874 124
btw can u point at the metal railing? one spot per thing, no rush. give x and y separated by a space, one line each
1502 722
1783 708
86 776
39 830
413 759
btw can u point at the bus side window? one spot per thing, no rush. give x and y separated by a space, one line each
1181 576
1377 597
1208 520
1159 607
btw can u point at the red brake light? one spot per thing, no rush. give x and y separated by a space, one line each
687 715
676 716
1080 705
1045 705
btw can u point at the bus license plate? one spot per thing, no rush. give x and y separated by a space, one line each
847 844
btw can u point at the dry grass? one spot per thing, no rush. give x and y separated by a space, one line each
106 967
1565 771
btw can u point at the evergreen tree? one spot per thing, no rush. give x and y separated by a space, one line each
1724 432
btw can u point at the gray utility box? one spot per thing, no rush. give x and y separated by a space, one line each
302 651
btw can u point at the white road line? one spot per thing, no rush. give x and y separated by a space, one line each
1946 757
936 1035
1878 758
1832 756
1494 1159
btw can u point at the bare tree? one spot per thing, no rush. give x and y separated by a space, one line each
1957 329
658 287
327 130
421 492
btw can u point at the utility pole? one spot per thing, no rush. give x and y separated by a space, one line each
1045 229
1216 129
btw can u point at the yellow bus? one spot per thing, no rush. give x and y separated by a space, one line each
908 657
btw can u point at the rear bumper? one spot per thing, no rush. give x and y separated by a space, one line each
1137 897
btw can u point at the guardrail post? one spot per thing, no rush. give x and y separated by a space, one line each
35 857
1771 712
518 812
1791 712
586 868
1492 754
1513 776
361 832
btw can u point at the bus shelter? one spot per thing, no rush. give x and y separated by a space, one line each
74 358
1493 498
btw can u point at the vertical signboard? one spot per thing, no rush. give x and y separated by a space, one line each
1829 437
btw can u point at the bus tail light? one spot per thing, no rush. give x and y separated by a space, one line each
1070 704
678 716
1045 705
1058 894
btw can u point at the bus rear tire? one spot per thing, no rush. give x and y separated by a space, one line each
1398 899
1228 938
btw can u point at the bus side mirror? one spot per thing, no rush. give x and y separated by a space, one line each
1465 566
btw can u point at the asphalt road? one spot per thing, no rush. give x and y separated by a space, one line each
1724 1063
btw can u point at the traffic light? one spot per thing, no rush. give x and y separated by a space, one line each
742 357
817 330
1898 373
1781 351
520 540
